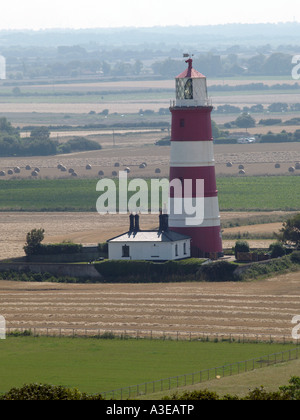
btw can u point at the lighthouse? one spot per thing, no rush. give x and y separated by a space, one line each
192 163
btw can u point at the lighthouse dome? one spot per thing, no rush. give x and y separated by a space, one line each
191 88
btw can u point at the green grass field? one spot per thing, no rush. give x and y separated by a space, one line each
94 365
236 194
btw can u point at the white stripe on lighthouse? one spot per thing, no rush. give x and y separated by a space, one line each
211 213
192 153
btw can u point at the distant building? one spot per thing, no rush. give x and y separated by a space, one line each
149 245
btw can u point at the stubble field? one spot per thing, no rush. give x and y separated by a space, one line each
261 310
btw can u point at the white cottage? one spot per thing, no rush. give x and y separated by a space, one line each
149 245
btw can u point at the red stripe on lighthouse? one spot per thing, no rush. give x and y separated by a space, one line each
194 173
191 124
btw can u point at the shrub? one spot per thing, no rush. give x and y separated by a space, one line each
295 257
241 246
44 392
56 249
146 271
217 272
277 250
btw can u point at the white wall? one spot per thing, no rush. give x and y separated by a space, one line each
149 250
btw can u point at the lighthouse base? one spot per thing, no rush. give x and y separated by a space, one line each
206 241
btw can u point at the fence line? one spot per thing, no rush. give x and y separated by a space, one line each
176 382
150 334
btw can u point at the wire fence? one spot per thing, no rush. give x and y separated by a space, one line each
180 380
176 382
104 333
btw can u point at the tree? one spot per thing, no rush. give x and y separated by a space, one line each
245 121
277 250
40 133
290 233
33 241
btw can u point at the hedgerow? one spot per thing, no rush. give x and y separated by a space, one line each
46 392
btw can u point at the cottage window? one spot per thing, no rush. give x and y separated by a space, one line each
184 248
176 250
125 251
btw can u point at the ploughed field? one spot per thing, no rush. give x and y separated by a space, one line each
258 310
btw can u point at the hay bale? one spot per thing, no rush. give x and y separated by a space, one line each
100 173
114 173
242 172
74 174
144 163
229 164
37 170
88 167
34 173
277 165
10 172
71 170
127 170
59 166
28 168
63 169
297 165
17 170
241 167
157 171
291 169
117 165
142 166
2 173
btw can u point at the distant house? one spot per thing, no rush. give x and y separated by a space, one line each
149 245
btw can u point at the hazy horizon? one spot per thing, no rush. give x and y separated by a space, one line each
93 14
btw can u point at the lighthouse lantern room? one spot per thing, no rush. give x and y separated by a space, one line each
192 158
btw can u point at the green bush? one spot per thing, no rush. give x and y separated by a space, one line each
295 257
277 250
44 392
241 246
270 267
217 271
149 271
56 249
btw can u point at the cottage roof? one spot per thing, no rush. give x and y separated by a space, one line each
149 236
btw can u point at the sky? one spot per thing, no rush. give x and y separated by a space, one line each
47 14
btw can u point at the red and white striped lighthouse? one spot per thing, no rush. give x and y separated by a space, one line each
192 158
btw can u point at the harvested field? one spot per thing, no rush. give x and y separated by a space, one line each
264 308
133 149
